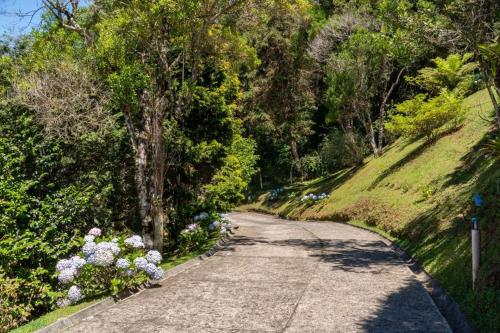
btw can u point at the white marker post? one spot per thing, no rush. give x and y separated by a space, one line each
475 251
478 202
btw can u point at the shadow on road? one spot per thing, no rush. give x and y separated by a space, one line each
347 255
404 310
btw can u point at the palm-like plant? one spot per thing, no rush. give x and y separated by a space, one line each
453 73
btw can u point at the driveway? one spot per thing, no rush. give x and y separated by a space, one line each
283 276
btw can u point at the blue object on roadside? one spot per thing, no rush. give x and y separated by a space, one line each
478 200
474 222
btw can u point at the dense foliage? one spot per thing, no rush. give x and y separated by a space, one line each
133 115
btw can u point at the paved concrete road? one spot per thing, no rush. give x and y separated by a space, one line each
283 276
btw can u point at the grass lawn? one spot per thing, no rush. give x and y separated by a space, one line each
51 317
420 193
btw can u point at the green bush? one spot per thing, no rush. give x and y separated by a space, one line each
312 165
14 303
49 192
421 116
231 180
192 238
336 152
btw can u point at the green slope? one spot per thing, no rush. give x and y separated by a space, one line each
420 195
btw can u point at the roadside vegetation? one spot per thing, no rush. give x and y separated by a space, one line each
150 119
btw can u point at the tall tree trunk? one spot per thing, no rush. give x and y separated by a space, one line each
495 103
296 157
371 138
139 142
143 194
366 119
383 113
347 128
489 83
157 176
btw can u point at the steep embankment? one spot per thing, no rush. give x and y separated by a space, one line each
420 194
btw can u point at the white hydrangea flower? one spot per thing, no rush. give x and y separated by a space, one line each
91 259
223 230
122 263
89 248
150 269
63 264
67 275
201 216
103 258
114 240
78 262
108 246
95 232
214 225
137 238
135 242
63 302
154 257
140 263
192 226
89 238
158 274
74 294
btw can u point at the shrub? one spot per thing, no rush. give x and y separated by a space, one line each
275 193
455 73
231 180
106 266
312 165
13 308
196 234
337 152
420 116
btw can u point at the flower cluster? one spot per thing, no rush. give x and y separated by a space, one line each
149 265
135 242
275 193
110 261
100 254
190 228
314 197
201 216
214 225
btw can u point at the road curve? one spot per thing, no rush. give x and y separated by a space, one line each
283 276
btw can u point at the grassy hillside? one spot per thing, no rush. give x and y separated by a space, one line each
420 194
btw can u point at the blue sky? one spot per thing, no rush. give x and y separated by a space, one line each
10 21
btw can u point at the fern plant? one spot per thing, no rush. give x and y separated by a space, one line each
454 73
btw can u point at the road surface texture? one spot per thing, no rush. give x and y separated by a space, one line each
283 276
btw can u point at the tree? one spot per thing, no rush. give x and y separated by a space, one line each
474 23
151 56
283 88
361 77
